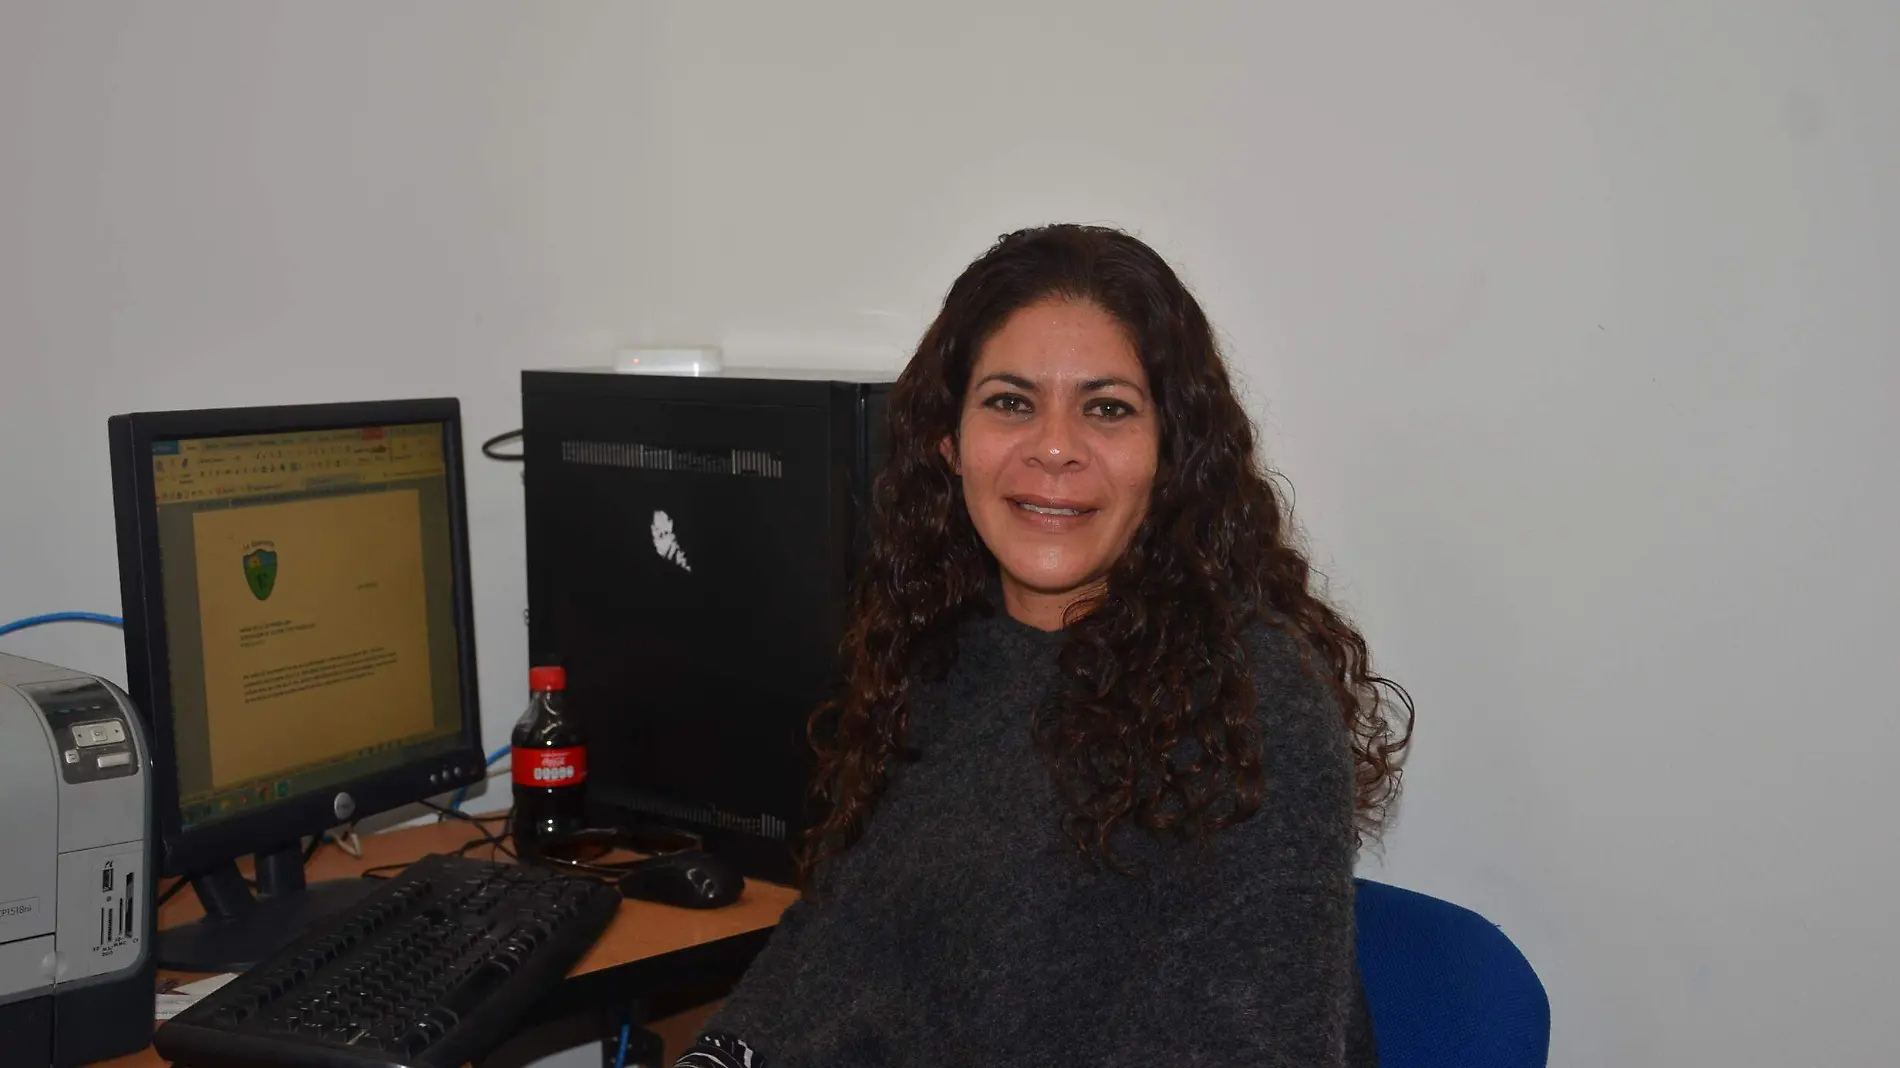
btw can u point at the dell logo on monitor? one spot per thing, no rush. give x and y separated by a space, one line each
665 543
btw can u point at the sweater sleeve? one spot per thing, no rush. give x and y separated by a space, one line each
1270 966
763 997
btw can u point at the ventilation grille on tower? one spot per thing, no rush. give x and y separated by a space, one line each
753 463
761 826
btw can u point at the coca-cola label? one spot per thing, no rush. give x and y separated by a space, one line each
551 767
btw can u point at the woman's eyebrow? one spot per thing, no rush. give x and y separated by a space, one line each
1008 378
1094 384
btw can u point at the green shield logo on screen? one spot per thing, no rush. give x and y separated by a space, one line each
260 571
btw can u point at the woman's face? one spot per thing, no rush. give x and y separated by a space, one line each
1057 448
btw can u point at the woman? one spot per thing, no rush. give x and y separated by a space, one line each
1104 760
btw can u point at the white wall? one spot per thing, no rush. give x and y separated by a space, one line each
1572 326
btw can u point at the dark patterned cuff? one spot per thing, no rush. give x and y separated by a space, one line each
716 1049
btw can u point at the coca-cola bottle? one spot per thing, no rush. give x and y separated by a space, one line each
550 765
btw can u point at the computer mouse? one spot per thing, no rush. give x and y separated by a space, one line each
690 879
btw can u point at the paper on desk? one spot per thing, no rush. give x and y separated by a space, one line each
178 999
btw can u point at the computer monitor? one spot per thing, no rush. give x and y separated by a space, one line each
298 634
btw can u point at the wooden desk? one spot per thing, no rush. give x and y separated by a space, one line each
642 941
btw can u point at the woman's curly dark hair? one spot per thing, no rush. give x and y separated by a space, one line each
1157 725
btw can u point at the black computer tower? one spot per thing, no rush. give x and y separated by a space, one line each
691 545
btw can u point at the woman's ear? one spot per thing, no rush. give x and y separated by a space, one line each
948 447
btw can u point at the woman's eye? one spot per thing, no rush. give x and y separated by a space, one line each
1008 403
1110 409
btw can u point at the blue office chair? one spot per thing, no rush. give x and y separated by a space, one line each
1445 987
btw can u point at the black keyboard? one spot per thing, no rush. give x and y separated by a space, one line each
432 970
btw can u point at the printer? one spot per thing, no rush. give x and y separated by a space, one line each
76 869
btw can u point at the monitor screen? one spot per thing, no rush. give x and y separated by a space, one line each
309 587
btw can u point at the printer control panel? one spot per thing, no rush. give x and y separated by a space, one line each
89 730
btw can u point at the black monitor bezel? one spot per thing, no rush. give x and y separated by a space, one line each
147 657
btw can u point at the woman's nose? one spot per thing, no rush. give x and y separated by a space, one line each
1057 443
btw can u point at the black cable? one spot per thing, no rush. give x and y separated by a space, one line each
171 891
488 447
488 837
316 841
494 846
496 842
458 814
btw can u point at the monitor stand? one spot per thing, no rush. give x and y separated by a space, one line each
240 930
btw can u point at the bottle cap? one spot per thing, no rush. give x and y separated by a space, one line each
547 678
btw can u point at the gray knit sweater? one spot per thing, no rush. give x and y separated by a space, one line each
963 928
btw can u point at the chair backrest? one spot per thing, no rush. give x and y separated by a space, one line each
1445 986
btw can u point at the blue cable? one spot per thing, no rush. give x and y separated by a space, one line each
620 1059
60 617
461 792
